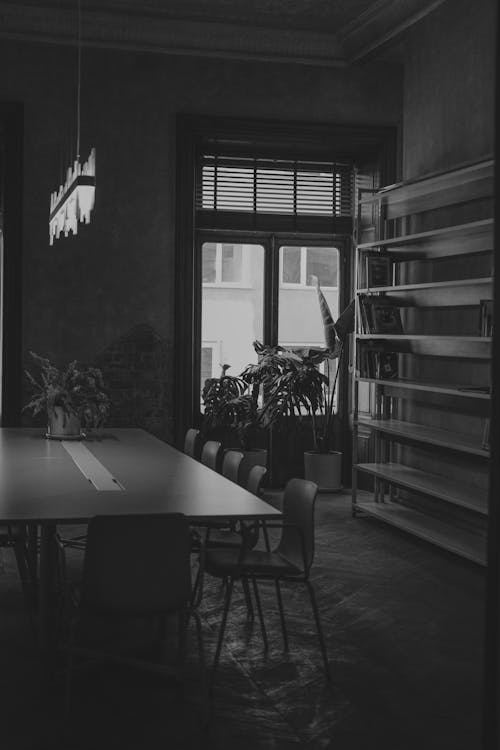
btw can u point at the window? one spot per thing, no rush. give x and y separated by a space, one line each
301 266
299 317
248 182
232 313
209 360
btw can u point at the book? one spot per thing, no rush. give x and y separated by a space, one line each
486 317
380 315
378 271
387 368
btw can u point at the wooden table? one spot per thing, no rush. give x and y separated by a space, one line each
114 471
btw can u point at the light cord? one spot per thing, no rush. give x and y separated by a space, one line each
78 90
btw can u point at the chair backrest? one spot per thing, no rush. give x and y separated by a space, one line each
298 510
192 443
210 454
137 564
255 479
231 465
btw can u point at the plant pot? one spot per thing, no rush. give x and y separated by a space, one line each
256 457
324 469
63 426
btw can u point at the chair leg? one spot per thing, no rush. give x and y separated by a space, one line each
282 613
259 611
27 585
69 667
248 598
182 634
227 602
203 671
319 629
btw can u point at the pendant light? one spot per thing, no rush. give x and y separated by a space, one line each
73 202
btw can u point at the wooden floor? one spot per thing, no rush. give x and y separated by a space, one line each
404 629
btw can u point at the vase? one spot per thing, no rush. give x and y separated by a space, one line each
324 469
62 426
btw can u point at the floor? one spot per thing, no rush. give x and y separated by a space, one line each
404 628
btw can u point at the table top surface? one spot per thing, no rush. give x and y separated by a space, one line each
41 482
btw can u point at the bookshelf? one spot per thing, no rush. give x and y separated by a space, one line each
422 357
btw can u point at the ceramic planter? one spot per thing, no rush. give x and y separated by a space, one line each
325 469
62 426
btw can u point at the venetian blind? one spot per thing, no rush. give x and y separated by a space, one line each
289 189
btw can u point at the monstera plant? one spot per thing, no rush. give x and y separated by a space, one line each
303 383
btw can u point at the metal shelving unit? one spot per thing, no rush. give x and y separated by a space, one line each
426 424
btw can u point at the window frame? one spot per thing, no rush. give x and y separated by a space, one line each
373 147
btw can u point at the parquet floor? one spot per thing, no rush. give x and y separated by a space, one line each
404 629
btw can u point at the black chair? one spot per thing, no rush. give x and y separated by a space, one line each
136 566
15 536
211 454
290 561
231 465
192 443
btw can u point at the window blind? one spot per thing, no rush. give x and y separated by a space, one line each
274 186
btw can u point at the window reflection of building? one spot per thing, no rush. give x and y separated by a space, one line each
301 264
222 263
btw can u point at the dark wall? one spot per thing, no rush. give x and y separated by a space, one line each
85 293
449 87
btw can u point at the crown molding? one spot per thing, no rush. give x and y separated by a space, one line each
143 29
383 22
116 30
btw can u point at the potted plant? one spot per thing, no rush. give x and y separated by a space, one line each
231 413
72 397
295 387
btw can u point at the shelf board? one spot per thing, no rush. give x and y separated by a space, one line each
425 337
473 237
432 485
468 545
424 434
446 390
471 347
428 285
438 182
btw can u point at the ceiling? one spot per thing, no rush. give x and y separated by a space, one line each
315 32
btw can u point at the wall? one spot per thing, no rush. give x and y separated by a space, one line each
85 293
449 87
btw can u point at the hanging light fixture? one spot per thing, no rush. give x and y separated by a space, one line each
74 200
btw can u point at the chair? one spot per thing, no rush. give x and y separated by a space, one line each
231 465
15 536
211 454
136 566
290 561
192 443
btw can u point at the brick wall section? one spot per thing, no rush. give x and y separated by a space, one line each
137 371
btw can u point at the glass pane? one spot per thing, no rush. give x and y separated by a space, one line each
232 317
208 255
299 317
300 323
290 264
231 263
322 263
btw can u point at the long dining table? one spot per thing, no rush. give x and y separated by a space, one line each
48 483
